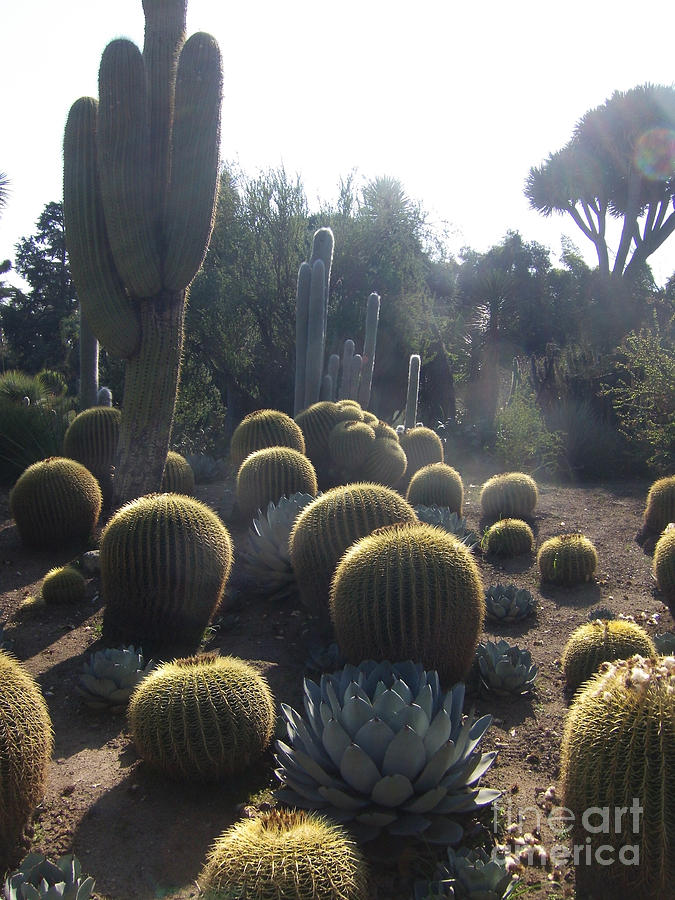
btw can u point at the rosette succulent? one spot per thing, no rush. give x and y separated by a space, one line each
381 748
665 643
37 878
109 677
505 668
443 517
266 556
475 875
508 603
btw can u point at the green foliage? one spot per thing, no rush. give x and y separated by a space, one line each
523 438
202 718
199 417
285 853
643 394
29 434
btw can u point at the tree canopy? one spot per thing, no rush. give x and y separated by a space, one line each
620 162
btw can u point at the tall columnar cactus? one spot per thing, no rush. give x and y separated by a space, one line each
311 316
26 742
660 508
594 643
409 592
510 495
202 718
264 428
326 528
140 185
664 566
92 439
369 346
286 853
413 391
437 484
55 501
165 560
617 755
269 474
567 560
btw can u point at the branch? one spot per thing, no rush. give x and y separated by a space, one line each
594 234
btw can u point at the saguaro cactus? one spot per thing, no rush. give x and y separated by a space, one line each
140 184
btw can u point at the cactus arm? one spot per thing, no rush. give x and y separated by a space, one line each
333 370
347 354
326 388
88 364
110 312
124 166
355 375
413 391
150 387
323 243
316 335
301 317
369 344
191 200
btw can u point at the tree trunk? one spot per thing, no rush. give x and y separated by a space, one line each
150 388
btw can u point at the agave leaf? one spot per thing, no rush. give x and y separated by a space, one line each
374 737
435 769
304 762
335 741
358 769
409 824
426 802
405 754
392 790
387 704
355 713
377 818
438 734
425 699
443 831
342 800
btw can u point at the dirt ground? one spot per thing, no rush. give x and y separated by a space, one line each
144 837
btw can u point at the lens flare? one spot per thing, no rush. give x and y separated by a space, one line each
655 153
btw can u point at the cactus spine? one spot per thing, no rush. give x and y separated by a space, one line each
140 184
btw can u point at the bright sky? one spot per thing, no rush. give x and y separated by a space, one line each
457 100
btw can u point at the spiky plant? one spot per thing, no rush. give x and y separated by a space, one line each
285 853
617 755
63 584
508 537
508 603
37 878
422 447
178 476
437 484
594 643
269 474
92 439
664 566
55 502
326 528
409 591
381 748
383 430
385 463
349 443
202 718
264 428
567 560
660 508
316 422
443 517
165 560
471 874
266 556
206 468
26 742
510 495
505 669
110 676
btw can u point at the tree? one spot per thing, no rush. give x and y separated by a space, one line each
39 325
4 190
620 162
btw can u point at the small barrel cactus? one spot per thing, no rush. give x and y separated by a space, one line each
26 742
422 447
316 423
37 878
567 560
110 676
409 591
383 430
505 669
660 508
349 443
55 502
63 584
269 474
664 566
594 643
266 556
92 439
264 428
285 853
165 560
508 603
178 476
381 748
443 517
326 528
202 718
385 462
616 760
508 537
511 495
437 484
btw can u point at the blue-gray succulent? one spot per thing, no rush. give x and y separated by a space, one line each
37 878
110 676
381 748
508 603
443 517
505 669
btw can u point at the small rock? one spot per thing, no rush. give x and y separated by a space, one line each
90 562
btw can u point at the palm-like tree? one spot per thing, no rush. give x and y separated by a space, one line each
4 190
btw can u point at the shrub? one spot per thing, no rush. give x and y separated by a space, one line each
523 437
